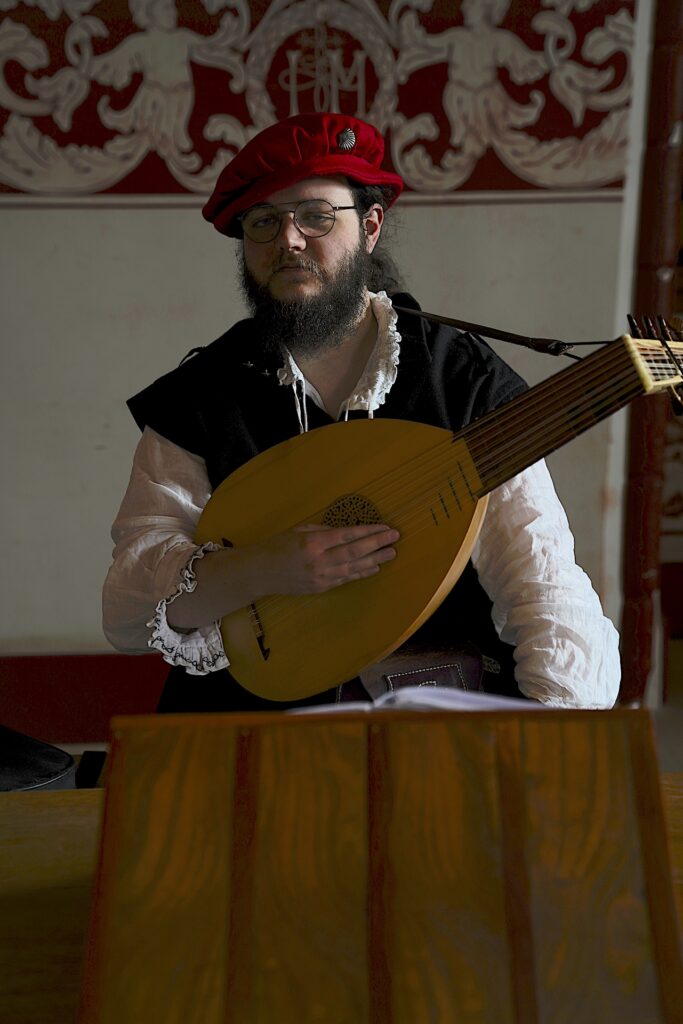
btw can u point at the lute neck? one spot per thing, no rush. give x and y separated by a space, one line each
531 426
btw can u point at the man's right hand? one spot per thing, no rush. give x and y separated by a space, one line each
307 559
312 559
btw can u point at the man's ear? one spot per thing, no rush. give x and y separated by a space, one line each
372 225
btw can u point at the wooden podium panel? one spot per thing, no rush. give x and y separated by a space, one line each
388 867
48 849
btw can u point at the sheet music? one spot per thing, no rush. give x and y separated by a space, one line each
429 698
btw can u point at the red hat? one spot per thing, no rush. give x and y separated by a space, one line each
304 146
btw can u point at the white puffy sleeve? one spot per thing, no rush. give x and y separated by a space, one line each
567 651
154 556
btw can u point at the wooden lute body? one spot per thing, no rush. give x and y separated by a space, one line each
356 472
426 482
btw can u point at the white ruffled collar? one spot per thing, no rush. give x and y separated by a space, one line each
374 383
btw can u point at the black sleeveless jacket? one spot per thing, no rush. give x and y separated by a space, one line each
226 405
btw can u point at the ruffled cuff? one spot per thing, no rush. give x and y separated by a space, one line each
199 651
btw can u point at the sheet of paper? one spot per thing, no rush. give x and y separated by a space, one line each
430 698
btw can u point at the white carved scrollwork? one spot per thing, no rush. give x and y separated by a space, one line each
481 113
157 118
495 88
317 66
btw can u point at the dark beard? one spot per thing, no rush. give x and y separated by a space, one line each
316 322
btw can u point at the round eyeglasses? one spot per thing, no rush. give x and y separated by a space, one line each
312 217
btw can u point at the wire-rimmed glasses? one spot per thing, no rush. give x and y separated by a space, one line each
312 217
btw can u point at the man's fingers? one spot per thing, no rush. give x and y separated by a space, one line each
348 570
326 557
375 544
332 537
351 534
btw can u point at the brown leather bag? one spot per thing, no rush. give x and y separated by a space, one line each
461 667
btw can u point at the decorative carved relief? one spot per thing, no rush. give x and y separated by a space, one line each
156 96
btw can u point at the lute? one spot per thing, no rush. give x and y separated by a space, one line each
430 484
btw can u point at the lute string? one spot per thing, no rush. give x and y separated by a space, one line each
404 515
411 520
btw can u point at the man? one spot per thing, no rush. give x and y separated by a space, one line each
308 198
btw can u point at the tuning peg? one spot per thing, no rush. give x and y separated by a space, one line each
654 327
651 328
634 326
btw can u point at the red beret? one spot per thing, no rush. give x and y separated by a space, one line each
304 146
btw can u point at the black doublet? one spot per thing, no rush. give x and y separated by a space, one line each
226 405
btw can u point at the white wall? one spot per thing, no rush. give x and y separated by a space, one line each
97 302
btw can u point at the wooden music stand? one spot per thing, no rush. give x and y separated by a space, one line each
387 866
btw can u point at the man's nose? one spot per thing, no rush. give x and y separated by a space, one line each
289 236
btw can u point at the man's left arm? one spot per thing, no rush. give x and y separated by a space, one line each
567 651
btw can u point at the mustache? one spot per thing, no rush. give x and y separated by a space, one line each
303 263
